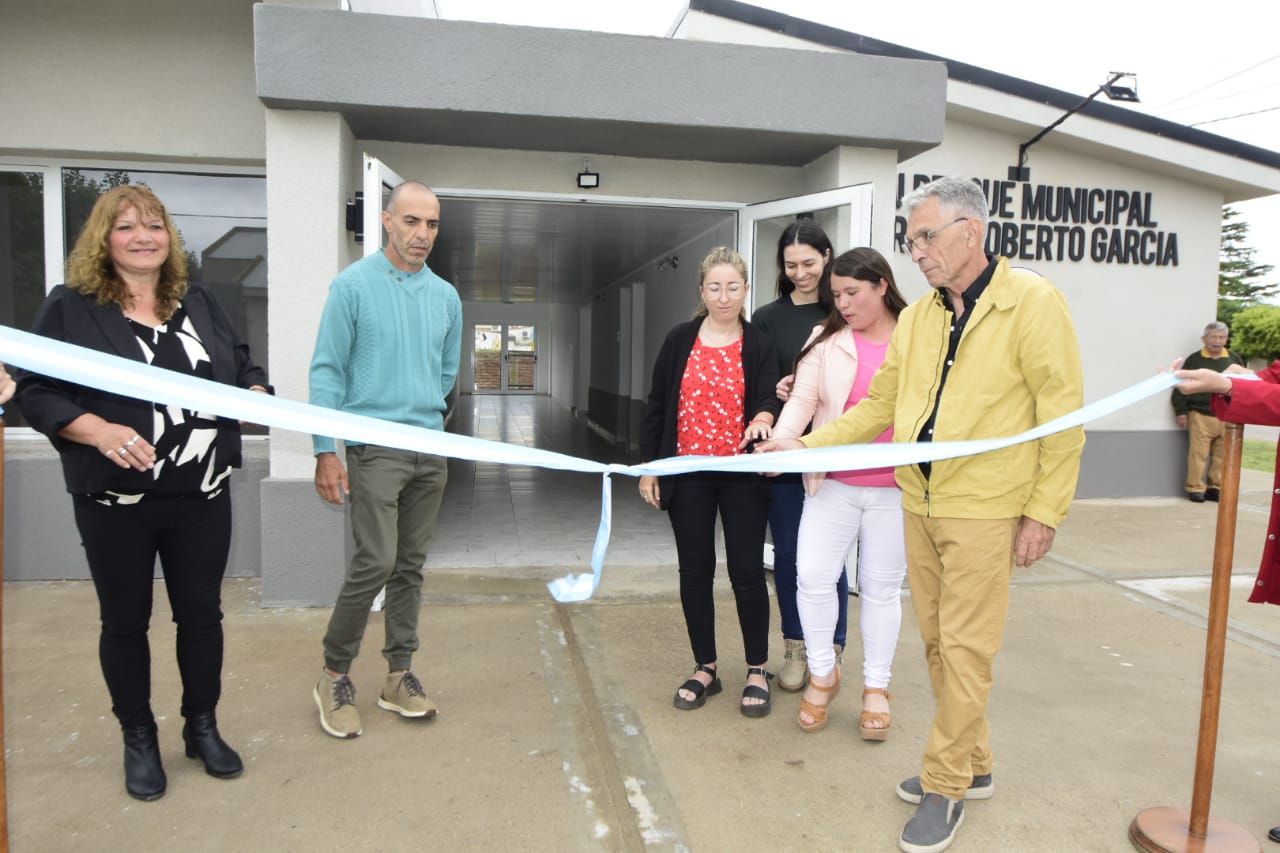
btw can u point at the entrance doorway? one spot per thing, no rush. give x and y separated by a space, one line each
504 358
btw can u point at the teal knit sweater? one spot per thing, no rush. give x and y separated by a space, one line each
388 346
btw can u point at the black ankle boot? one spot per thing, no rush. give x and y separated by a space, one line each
203 742
143 774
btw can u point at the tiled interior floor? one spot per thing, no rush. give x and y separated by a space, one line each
497 515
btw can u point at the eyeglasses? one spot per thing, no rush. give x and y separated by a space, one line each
925 240
734 290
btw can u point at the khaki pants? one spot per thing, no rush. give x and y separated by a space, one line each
1206 443
959 570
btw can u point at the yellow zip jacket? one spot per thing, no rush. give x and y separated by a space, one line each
1017 366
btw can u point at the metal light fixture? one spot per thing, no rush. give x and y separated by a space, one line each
355 217
1119 86
587 179
670 262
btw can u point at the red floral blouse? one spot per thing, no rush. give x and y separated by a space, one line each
709 417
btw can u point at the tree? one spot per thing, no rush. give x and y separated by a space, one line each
80 193
1240 279
1256 332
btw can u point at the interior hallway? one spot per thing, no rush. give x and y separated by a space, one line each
538 520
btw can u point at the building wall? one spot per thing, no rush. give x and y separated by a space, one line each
41 543
556 172
184 92
1132 318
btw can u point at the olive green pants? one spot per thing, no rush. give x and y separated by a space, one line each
395 499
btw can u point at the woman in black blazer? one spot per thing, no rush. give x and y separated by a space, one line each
712 394
147 480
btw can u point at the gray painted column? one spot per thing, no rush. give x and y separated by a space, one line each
312 169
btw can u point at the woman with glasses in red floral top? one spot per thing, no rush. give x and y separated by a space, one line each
712 394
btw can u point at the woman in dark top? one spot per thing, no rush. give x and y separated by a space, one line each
712 394
147 480
804 301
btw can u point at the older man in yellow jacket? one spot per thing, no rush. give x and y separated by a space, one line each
990 352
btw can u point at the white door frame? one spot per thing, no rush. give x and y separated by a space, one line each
857 197
377 177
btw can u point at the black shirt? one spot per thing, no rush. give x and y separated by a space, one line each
970 298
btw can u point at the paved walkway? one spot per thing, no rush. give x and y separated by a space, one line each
557 732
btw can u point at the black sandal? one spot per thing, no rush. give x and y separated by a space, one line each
699 690
751 691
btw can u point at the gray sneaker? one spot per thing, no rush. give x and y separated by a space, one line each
981 788
794 674
933 827
403 694
335 696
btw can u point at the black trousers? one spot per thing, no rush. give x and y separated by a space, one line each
192 538
742 503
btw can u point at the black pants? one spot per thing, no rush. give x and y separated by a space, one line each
742 502
192 537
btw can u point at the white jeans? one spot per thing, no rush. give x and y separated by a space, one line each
833 519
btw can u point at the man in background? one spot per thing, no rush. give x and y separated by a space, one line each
1193 413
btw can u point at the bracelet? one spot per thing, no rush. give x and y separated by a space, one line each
759 421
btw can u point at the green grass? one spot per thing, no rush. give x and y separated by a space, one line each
1259 455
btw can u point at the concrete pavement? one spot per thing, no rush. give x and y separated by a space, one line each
557 733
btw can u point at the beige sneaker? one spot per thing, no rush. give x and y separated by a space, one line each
335 696
794 674
403 694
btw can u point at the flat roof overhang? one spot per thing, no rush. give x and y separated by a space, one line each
431 81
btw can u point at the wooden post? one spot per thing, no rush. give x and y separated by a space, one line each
1164 829
4 771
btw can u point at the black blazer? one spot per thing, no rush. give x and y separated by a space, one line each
759 369
50 404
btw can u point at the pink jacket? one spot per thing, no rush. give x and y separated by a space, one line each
822 385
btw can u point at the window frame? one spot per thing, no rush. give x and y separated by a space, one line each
55 237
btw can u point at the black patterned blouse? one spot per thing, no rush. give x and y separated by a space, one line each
187 460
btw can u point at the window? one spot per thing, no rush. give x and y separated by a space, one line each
222 219
22 255
223 223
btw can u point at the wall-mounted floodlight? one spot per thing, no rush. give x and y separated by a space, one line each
587 179
1119 86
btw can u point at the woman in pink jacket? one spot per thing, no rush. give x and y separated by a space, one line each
832 374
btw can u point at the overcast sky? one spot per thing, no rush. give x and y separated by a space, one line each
1193 64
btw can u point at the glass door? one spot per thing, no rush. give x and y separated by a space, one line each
520 363
504 358
844 213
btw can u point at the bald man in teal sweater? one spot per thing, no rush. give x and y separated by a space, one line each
389 345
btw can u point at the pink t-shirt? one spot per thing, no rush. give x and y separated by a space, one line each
870 357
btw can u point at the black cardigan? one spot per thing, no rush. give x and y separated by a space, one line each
50 404
759 369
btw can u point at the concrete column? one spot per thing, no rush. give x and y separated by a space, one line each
312 169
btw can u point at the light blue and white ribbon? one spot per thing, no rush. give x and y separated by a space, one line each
141 381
